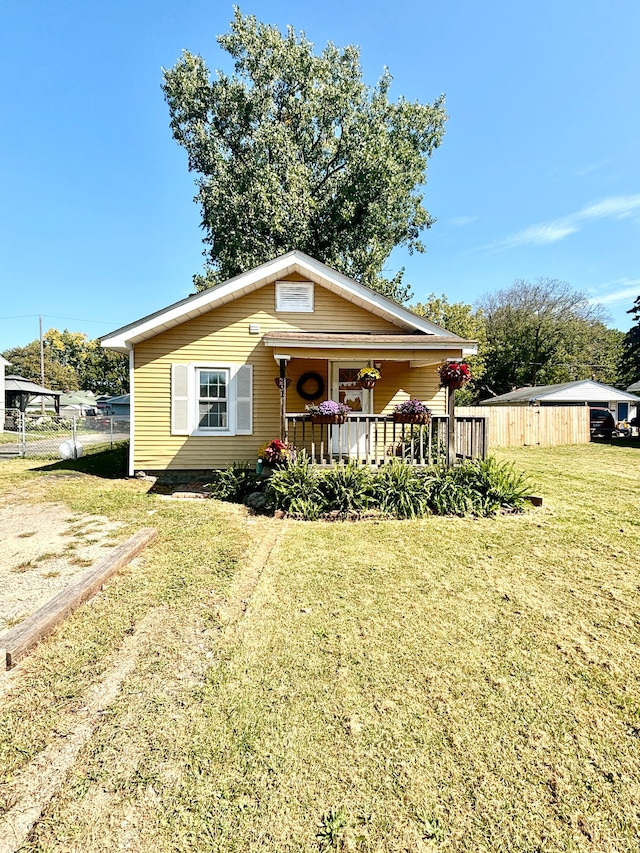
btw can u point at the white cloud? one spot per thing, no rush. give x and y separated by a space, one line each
626 293
537 235
614 207
617 207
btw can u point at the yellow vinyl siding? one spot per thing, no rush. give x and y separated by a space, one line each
222 336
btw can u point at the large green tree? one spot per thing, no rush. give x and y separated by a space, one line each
545 332
461 319
294 151
71 361
630 355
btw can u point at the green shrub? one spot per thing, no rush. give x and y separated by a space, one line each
232 484
348 488
401 490
481 487
497 484
447 493
295 488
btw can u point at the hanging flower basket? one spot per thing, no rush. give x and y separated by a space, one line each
411 412
328 419
368 376
328 412
408 418
454 374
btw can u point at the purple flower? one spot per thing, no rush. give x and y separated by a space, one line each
328 407
412 407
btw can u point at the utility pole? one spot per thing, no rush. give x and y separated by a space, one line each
41 362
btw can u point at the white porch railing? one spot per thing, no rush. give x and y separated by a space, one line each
376 439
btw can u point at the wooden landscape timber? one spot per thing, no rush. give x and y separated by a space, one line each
17 642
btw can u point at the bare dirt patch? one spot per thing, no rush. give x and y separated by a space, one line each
44 546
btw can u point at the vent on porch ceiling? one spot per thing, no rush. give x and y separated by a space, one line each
294 296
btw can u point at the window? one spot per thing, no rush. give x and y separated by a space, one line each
294 296
212 399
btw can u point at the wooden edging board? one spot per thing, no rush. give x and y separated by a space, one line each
17 642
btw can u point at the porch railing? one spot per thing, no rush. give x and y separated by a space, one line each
376 439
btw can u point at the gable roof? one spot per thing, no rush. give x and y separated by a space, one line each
582 390
126 337
18 384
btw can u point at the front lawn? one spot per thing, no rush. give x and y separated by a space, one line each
447 684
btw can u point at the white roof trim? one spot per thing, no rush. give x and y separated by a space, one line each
418 343
126 337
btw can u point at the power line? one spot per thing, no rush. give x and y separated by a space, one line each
56 317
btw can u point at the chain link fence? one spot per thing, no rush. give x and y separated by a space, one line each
36 434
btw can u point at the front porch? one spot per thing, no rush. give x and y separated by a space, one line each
376 439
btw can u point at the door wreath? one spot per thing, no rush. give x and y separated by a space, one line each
315 383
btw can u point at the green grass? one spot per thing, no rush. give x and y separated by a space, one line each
447 684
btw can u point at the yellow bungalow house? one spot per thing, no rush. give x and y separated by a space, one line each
216 375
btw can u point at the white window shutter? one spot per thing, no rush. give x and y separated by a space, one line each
179 399
244 401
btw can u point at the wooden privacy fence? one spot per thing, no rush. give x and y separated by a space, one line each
545 426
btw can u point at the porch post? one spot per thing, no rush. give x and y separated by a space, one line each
451 444
283 399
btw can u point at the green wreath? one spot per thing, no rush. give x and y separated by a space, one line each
316 392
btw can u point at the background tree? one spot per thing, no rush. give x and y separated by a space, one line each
71 361
25 361
294 151
461 319
630 350
545 332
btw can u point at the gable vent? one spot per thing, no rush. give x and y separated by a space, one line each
295 296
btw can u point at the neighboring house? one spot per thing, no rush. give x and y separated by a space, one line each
3 365
634 389
205 371
78 404
118 406
584 392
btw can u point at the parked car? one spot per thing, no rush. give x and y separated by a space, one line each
601 423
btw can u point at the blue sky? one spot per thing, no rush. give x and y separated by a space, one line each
538 175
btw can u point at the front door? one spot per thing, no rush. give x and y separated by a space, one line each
351 439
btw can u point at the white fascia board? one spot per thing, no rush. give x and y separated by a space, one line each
362 293
197 304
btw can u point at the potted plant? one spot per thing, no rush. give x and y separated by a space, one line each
328 412
411 412
368 376
274 453
454 374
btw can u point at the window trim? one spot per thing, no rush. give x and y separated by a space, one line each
194 399
200 430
